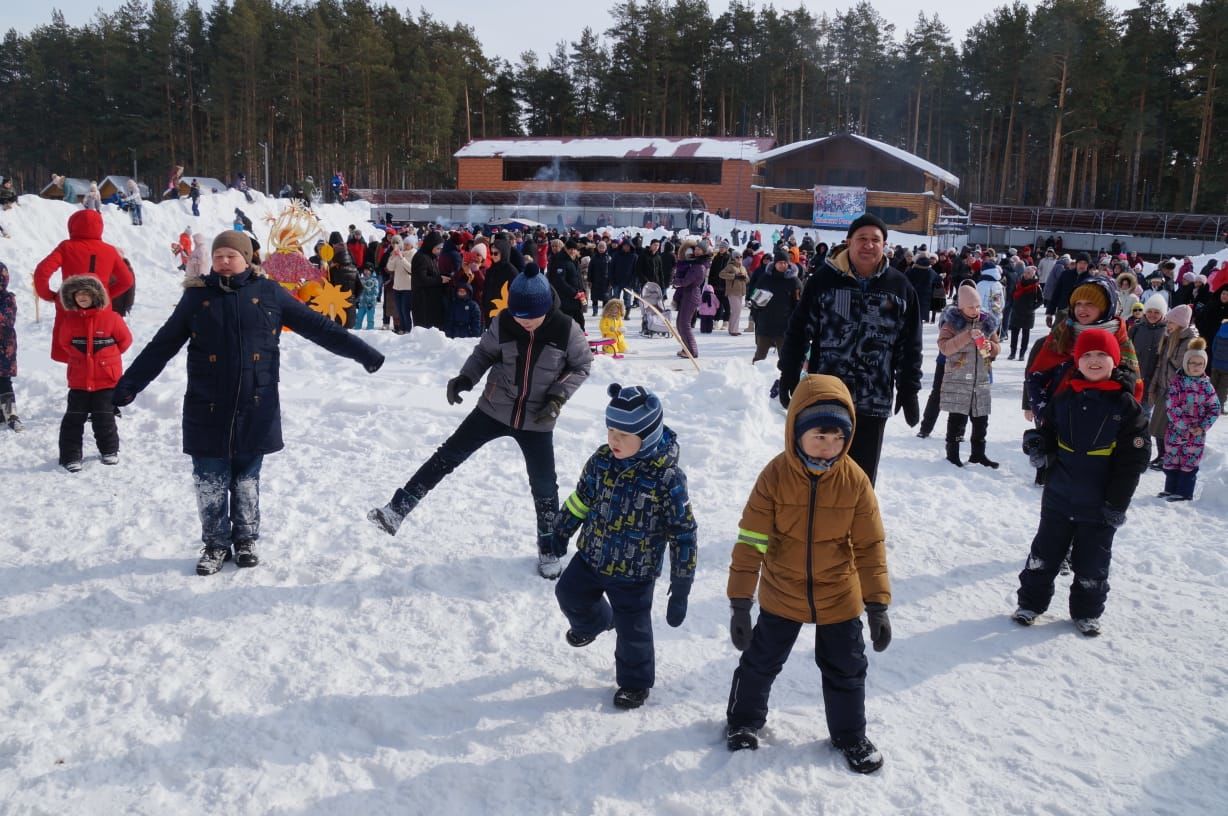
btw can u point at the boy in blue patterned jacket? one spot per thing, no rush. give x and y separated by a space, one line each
631 501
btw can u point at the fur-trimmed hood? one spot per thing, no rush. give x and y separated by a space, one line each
83 283
954 317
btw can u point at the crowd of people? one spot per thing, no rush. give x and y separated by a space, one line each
1131 362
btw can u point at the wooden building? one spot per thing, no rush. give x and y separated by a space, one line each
904 190
717 170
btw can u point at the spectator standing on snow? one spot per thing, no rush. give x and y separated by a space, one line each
92 200
194 194
1192 407
91 339
969 341
630 505
231 321
8 352
690 275
84 253
859 320
132 200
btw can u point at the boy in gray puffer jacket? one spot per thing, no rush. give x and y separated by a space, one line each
537 357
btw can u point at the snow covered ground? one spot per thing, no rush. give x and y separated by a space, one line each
353 673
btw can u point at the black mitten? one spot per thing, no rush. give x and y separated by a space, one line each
880 625
740 626
675 611
907 400
456 385
1113 517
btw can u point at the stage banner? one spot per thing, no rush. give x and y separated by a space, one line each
838 206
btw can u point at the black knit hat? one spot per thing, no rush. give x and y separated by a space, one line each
868 220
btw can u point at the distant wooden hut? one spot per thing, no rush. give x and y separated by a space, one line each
67 189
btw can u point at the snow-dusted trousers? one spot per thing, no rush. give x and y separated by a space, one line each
582 595
840 653
1090 545
228 498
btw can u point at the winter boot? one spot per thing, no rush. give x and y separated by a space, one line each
578 640
1025 617
110 458
8 411
212 559
389 517
73 466
630 698
741 738
953 452
978 456
245 555
861 756
1088 626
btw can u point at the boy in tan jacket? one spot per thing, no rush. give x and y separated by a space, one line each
811 542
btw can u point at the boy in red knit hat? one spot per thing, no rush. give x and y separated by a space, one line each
1094 442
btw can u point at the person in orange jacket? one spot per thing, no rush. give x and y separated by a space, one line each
811 545
90 338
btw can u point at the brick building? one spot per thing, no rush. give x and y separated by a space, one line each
749 177
716 170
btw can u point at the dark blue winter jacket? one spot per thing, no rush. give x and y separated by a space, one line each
623 265
464 315
233 328
1098 443
630 509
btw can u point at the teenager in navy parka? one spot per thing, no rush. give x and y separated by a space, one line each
231 320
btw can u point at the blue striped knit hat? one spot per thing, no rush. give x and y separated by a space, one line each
635 410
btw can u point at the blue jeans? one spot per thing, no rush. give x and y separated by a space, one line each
195 206
582 595
367 312
228 498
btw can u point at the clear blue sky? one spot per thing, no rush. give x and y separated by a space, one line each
489 18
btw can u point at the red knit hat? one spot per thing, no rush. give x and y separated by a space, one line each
1098 340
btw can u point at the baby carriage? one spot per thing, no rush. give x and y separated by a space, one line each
651 324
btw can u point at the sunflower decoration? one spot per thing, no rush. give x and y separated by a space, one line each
498 304
326 298
290 232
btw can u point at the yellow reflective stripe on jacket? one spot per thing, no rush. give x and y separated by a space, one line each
576 507
752 539
1093 452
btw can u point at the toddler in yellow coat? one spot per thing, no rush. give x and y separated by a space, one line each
612 326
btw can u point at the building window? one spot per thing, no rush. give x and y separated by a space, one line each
622 171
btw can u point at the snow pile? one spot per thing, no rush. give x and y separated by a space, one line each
356 673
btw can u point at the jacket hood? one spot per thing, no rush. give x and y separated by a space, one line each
83 283
991 271
1110 293
432 240
85 224
811 390
662 455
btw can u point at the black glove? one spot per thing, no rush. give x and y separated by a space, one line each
558 544
1113 517
788 384
880 626
375 366
1034 447
121 398
739 624
907 400
675 612
549 411
456 385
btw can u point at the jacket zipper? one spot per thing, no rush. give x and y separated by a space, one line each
524 387
814 489
234 415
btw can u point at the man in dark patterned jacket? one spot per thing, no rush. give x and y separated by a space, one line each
859 320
